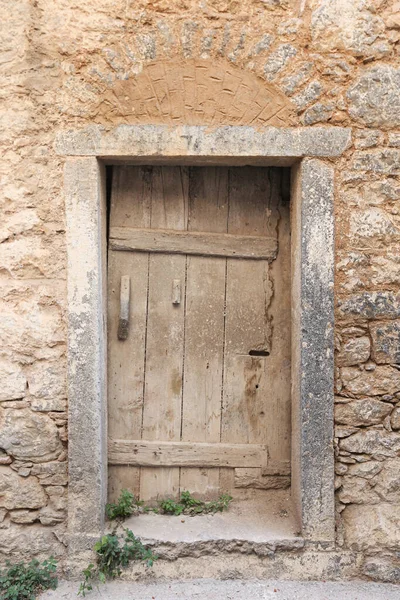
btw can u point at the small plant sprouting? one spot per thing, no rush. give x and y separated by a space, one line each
191 506
113 552
125 506
23 581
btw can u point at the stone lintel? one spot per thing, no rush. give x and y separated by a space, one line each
152 142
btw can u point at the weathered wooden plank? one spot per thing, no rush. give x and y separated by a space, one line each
204 326
253 478
194 242
165 332
185 454
278 364
249 292
130 205
122 477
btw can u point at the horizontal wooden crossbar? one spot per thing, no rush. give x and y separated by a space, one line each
191 242
186 454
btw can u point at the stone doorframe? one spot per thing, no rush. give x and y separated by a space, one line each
86 152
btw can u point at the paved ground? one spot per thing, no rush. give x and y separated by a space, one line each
206 589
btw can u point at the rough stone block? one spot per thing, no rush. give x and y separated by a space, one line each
387 482
368 469
385 190
48 404
278 59
47 379
376 442
355 490
28 435
24 516
13 380
371 305
382 569
310 93
394 140
34 257
372 526
395 418
24 543
293 81
51 473
367 138
31 321
18 492
374 99
354 351
49 516
348 26
377 161
385 342
382 380
363 269
56 490
364 412
372 223
17 223
58 503
318 113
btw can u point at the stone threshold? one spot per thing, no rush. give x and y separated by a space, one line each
262 524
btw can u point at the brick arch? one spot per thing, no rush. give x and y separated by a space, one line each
196 92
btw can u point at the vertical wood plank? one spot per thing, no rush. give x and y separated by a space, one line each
278 364
249 292
130 206
165 332
205 298
122 477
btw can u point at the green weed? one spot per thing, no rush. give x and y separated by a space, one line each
125 506
22 581
113 553
191 506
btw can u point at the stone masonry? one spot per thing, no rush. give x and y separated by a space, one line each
68 64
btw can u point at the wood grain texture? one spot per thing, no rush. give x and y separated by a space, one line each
130 205
165 331
245 416
278 364
186 454
253 478
200 243
205 305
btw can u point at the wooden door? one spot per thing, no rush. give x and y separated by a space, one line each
199 330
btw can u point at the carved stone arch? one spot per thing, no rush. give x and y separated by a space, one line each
196 92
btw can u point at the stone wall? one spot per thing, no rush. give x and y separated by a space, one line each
68 64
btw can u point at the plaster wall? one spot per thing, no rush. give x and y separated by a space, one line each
67 65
